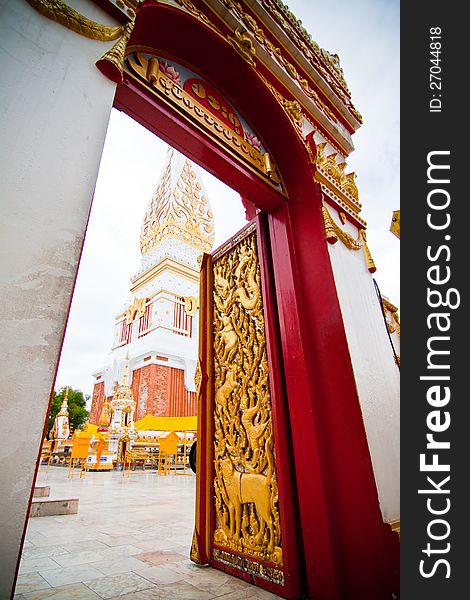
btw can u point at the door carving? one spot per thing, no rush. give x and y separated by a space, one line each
244 504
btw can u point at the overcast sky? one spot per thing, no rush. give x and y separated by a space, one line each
365 34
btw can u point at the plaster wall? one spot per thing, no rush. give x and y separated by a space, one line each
54 111
376 374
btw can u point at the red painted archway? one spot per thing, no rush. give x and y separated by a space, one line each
345 549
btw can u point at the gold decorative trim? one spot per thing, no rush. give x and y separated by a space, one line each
326 63
232 242
278 55
195 12
198 378
395 224
191 305
168 263
394 325
334 195
172 94
294 110
395 526
247 518
194 554
137 308
297 32
368 256
243 44
333 233
60 12
333 174
111 64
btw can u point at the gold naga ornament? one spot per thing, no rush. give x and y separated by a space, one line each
395 224
245 483
333 233
111 63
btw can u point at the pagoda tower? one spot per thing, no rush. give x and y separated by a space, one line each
157 328
61 428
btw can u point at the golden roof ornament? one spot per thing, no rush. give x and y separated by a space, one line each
179 208
395 224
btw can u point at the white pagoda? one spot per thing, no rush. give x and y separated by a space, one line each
157 328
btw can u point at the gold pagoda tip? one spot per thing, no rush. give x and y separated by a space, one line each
395 224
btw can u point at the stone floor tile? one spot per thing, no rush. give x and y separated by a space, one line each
30 582
75 591
117 552
159 557
118 585
124 520
73 574
118 566
188 568
119 540
159 543
183 540
77 558
158 575
43 551
32 565
261 594
240 594
84 545
181 590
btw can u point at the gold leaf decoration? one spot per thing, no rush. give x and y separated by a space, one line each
243 44
245 484
60 12
333 233
180 211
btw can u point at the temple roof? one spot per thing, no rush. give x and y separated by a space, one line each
179 208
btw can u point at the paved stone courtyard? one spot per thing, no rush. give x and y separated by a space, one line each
130 540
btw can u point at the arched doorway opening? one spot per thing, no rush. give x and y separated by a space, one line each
342 555
308 315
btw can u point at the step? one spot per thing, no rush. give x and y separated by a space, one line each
41 491
47 507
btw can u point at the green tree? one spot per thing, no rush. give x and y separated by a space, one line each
76 404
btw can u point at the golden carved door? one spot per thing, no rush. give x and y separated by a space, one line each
244 512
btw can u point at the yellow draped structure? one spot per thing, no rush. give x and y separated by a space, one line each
151 423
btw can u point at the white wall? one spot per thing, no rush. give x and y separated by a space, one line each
54 110
377 375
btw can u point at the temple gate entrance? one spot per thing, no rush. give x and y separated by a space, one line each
245 505
297 475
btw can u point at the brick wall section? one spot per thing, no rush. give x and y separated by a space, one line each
157 389
160 391
96 403
160 396
181 403
135 384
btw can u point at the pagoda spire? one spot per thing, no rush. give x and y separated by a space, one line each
64 412
179 208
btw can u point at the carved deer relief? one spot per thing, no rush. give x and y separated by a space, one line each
245 484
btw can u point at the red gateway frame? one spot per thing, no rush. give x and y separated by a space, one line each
344 548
